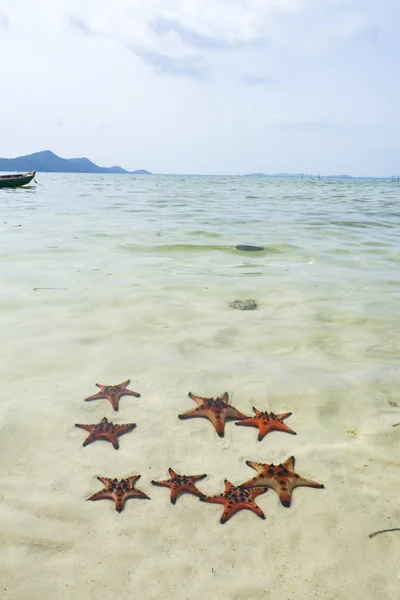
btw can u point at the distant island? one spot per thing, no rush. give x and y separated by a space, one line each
48 162
307 175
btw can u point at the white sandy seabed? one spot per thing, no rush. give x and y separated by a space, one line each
56 544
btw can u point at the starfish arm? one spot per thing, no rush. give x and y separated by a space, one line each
97 396
120 499
122 429
89 440
272 425
289 463
114 440
248 422
233 413
137 494
285 495
106 481
284 415
120 496
302 481
124 384
218 499
207 414
190 414
172 472
132 479
108 436
218 420
165 483
257 491
198 399
175 491
188 488
192 489
230 511
282 427
119 502
101 495
88 428
255 465
285 486
258 424
251 483
262 432
276 423
130 393
198 477
114 399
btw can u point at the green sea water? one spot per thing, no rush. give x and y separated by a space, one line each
164 248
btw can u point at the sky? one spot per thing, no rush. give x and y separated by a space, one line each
204 86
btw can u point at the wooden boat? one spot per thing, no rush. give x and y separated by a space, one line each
12 181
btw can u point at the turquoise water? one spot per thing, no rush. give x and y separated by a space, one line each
106 278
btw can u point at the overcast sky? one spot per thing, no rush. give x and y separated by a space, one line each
204 86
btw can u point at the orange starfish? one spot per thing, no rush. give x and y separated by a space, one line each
113 393
266 422
217 410
105 431
180 484
119 491
236 498
280 478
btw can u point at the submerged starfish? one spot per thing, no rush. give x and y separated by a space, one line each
119 491
236 498
113 393
280 478
180 484
266 422
105 431
217 410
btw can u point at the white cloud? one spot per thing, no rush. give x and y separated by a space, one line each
190 29
197 85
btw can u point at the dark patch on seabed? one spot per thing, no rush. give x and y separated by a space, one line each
249 248
244 304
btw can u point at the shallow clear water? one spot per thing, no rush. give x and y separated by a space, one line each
106 278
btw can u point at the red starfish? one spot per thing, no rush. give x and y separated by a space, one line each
236 498
113 393
280 478
119 491
180 484
106 431
266 422
217 410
